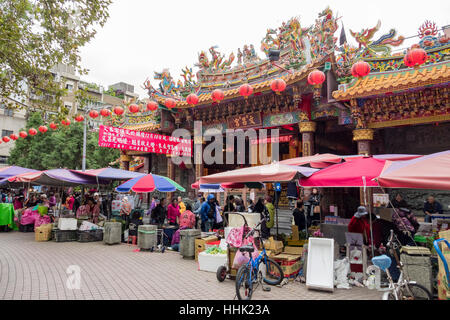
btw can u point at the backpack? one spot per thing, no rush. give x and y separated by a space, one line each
212 212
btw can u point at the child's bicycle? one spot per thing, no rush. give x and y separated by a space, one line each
254 272
403 289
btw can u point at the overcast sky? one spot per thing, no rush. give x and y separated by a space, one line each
142 36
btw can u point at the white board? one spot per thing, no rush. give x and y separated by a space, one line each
320 271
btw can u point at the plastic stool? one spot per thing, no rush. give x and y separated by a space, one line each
133 238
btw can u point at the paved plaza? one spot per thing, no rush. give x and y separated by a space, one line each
37 270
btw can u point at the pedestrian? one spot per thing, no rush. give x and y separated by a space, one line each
159 213
292 194
181 204
208 213
152 205
251 205
173 212
269 215
218 223
52 200
299 214
134 224
360 223
239 205
198 217
407 226
125 210
430 207
187 218
398 202
229 207
198 202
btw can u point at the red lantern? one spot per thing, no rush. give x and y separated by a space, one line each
79 118
170 103
65 122
43 129
316 78
118 110
217 95
152 106
5 139
278 85
23 134
32 132
14 137
246 90
93 114
192 99
360 69
133 108
54 126
105 113
415 57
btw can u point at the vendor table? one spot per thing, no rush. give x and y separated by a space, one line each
7 215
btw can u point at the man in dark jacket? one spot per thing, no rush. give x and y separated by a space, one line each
158 213
208 213
398 202
430 207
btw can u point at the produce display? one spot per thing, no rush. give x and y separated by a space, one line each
215 250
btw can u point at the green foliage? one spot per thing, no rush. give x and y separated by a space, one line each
61 148
37 35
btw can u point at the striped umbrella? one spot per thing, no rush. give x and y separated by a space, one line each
149 183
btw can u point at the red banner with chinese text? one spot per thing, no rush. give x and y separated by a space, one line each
120 138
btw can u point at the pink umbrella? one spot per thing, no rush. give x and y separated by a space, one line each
427 172
358 172
390 157
316 161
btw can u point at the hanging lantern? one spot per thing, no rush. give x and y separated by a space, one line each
23 134
32 132
43 129
217 95
245 90
93 114
415 57
152 106
192 99
65 122
53 126
360 69
278 85
133 108
170 103
105 112
5 139
316 78
14 137
118 111
79 118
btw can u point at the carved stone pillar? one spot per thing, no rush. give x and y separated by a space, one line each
307 129
124 160
363 137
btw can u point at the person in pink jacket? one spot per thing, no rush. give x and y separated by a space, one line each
173 212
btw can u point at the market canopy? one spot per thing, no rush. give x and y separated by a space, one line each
57 177
358 172
275 172
230 185
112 174
149 183
390 157
316 161
10 171
427 172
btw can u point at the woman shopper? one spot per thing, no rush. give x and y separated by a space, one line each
299 214
314 205
173 212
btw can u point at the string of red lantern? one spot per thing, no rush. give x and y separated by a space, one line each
170 103
278 85
105 112
118 110
43 129
415 57
245 90
360 69
133 108
217 95
152 106
192 99
23 134
316 78
32 131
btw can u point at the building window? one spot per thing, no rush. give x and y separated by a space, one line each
9 112
69 87
3 159
7 133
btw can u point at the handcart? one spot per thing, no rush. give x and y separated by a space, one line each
160 247
227 270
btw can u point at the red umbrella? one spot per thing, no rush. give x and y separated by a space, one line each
427 172
358 172
316 161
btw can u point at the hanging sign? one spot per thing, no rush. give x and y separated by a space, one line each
245 120
272 140
125 139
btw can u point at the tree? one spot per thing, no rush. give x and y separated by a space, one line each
62 148
37 35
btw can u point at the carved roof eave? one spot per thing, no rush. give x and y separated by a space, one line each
205 98
380 83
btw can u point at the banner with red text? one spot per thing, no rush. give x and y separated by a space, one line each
120 138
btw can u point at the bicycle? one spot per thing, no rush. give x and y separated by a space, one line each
404 288
252 273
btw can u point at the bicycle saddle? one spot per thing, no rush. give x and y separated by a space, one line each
247 248
383 262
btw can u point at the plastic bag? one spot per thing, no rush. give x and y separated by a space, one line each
219 218
234 238
341 271
243 257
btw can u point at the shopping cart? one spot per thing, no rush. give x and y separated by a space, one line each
160 246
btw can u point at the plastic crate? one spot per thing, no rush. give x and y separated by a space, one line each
90 235
26 227
64 235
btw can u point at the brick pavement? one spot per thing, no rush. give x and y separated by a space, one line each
37 270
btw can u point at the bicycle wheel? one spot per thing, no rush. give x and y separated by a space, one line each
244 285
414 291
274 273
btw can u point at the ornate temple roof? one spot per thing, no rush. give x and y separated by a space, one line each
399 80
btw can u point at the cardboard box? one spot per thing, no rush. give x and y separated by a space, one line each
293 250
295 235
289 263
200 244
273 245
296 243
443 282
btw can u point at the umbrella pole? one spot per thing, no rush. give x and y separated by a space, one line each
370 216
